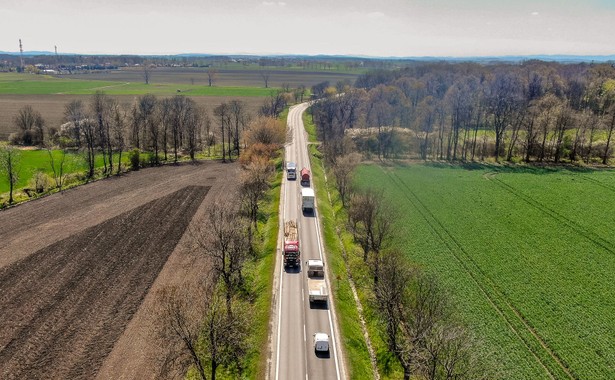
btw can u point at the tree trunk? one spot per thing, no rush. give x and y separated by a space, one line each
605 158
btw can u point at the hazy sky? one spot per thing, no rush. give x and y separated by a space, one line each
360 27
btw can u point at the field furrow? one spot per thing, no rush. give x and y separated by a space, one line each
80 293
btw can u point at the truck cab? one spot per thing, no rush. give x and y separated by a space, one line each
291 170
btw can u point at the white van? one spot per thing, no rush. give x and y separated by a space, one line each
307 199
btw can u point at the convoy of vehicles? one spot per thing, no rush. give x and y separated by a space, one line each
317 285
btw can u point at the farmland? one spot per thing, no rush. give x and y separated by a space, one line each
78 270
527 253
49 95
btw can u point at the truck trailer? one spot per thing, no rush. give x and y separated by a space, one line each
292 255
317 286
307 199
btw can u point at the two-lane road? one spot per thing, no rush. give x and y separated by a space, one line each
297 320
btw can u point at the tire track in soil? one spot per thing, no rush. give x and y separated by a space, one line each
73 299
576 227
487 287
598 183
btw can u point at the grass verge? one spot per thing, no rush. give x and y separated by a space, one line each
358 364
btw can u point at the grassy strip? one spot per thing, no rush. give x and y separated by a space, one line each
332 217
262 279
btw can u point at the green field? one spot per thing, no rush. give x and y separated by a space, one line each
29 84
527 253
32 161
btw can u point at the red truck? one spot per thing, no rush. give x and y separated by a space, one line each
305 176
292 255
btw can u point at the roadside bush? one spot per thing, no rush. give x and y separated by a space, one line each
134 157
41 182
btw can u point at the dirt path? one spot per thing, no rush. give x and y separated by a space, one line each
68 306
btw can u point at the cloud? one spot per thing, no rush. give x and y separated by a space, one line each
534 13
273 3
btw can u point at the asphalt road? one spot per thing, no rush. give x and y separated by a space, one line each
293 355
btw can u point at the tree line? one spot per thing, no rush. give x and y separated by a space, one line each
533 111
152 130
205 324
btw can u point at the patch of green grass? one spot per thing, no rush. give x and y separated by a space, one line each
29 84
310 127
33 161
526 253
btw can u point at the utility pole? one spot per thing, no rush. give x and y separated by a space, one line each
21 54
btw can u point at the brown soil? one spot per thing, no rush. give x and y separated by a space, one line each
77 271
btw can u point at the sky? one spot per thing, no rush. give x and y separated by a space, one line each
382 28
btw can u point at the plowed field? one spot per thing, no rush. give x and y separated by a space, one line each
76 268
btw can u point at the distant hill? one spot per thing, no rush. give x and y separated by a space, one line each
506 58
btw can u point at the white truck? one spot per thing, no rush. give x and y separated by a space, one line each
291 170
321 342
317 286
307 199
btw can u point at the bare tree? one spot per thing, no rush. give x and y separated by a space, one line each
239 118
147 72
342 170
212 73
74 112
223 113
371 218
193 128
10 166
265 74
88 129
178 321
222 238
253 186
57 166
101 105
118 132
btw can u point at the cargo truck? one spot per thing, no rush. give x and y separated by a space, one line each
321 342
307 199
292 254
305 177
291 170
317 286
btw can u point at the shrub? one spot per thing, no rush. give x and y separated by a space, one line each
134 157
41 182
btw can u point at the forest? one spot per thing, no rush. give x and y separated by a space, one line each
533 111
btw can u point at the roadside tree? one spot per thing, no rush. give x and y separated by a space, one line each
10 165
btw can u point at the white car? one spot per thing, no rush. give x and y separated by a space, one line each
321 342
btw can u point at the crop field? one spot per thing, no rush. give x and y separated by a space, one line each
528 255
78 270
224 77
